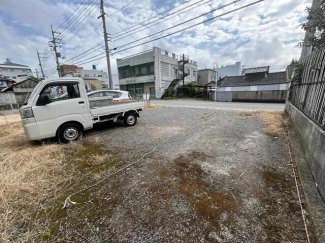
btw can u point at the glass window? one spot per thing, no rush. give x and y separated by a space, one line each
136 70
143 70
12 70
194 73
95 95
126 73
13 77
61 92
152 68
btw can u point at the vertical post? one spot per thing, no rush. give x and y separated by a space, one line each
183 69
36 71
102 12
40 64
54 41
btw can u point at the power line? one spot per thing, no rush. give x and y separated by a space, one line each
122 28
80 24
77 18
94 48
142 27
207 20
120 8
213 10
61 25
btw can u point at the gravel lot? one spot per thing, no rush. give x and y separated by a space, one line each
210 176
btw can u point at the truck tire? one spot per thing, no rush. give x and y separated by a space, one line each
130 119
70 132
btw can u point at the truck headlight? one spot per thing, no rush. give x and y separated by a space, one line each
26 113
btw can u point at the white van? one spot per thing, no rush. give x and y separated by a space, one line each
60 108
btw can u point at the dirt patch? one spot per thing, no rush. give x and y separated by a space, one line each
275 123
152 107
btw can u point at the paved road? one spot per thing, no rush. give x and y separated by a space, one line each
190 103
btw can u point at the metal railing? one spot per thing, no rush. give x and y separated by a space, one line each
309 98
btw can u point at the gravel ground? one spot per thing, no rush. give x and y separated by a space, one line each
210 176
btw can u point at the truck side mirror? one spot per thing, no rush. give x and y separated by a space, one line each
43 100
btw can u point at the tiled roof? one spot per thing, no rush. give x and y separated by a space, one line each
272 78
256 70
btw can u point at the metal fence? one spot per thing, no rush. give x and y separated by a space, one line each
309 94
310 99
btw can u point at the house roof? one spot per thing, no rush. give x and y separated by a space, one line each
256 70
12 64
272 78
10 88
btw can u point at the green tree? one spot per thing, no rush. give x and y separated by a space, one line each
315 24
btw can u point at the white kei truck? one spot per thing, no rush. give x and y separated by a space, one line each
61 108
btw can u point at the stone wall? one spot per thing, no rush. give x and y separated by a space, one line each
312 139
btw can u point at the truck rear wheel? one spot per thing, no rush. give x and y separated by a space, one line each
70 132
130 119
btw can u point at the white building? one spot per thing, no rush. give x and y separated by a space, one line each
206 76
153 71
229 70
14 71
95 74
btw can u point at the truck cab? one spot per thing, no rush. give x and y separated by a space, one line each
60 108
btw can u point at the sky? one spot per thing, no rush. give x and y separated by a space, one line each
266 33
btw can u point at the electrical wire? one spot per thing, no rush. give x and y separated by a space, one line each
122 28
61 25
172 27
77 18
153 23
121 8
207 20
90 8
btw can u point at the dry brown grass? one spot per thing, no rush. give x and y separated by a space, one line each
152 107
275 123
34 179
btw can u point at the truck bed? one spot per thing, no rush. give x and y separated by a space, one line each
116 108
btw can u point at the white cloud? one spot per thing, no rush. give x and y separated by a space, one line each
266 33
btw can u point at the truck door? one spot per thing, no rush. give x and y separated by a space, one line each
57 103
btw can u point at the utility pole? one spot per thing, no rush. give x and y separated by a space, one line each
40 64
102 15
36 71
54 43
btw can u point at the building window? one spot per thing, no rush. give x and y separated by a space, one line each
143 70
194 73
100 76
175 72
126 73
13 77
136 70
6 77
87 75
189 71
152 68
12 70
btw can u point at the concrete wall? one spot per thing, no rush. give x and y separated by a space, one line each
275 96
312 142
283 86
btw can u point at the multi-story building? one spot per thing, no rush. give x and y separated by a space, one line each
229 70
15 71
153 71
206 76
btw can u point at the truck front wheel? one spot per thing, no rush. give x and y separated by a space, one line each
70 132
130 119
